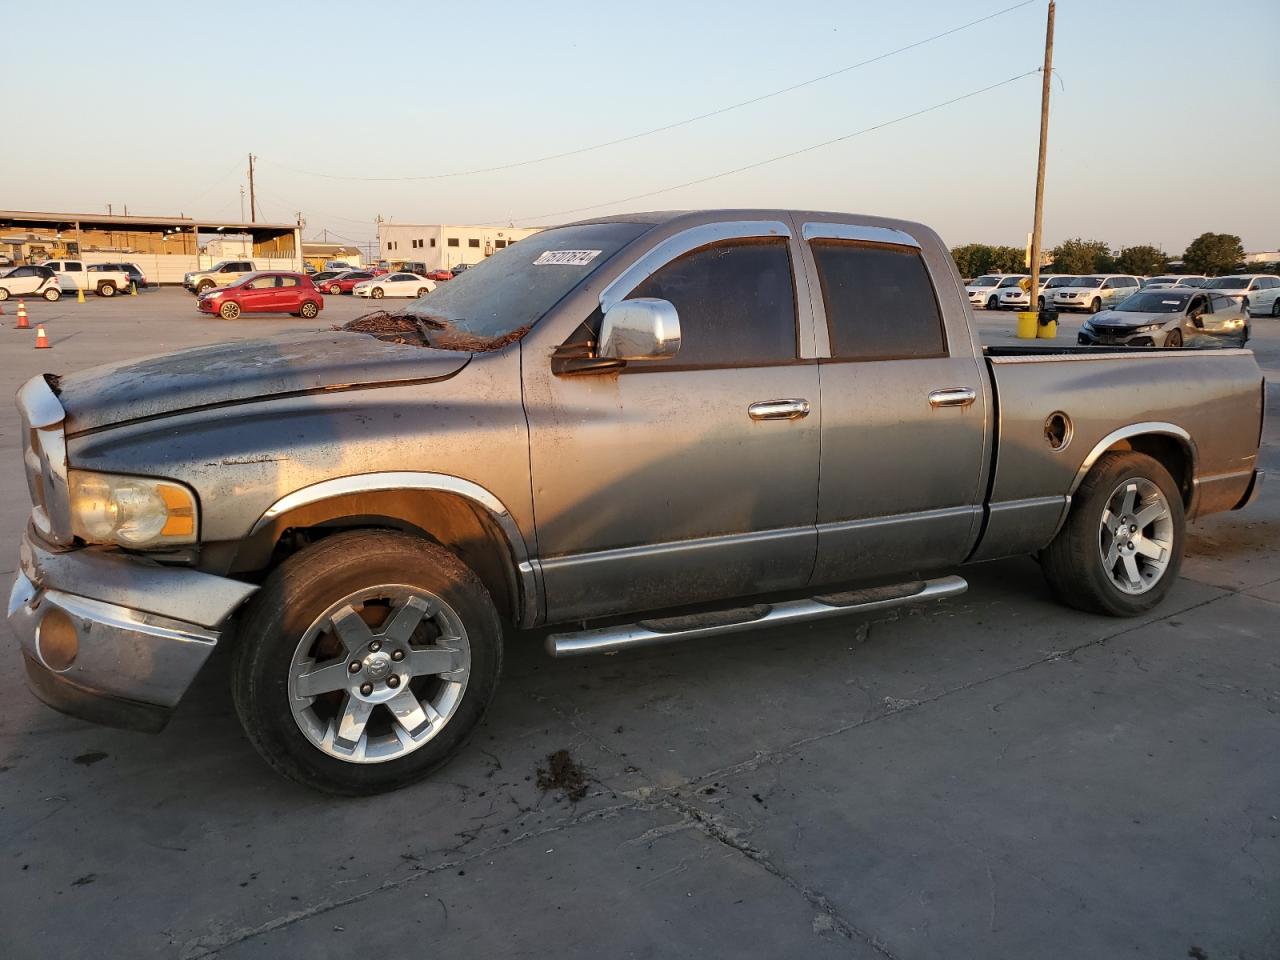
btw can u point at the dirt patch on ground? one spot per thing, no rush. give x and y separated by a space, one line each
563 773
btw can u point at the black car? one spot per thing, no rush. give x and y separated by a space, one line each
459 268
133 271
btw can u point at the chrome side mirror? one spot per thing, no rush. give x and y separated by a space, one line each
641 329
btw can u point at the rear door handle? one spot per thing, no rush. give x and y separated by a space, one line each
953 397
778 409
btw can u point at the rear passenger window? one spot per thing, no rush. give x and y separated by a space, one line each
736 302
288 281
880 302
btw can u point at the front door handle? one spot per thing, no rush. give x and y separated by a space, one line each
953 397
778 409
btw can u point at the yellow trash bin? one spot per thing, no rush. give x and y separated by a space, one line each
1048 329
1027 324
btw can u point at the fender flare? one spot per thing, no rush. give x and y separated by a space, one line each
527 573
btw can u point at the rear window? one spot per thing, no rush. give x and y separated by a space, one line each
880 301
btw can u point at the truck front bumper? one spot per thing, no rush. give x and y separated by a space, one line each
112 638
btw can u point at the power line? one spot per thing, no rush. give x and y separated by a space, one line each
775 159
668 126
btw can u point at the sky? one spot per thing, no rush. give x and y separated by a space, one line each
1165 116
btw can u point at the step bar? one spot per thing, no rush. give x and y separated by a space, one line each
648 633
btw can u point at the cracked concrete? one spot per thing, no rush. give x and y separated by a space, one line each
994 776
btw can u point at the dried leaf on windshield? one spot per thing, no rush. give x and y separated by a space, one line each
423 329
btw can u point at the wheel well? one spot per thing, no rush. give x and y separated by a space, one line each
1170 452
454 522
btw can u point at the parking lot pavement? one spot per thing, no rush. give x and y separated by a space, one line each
994 776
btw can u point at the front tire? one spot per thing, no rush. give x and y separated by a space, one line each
1173 341
365 662
1120 550
423 291
229 310
1096 306
204 287
376 293
992 303
335 290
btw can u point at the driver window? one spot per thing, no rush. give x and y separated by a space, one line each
736 302
1198 305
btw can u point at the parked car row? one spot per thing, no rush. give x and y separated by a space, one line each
1256 294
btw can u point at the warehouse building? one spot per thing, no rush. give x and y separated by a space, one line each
163 247
441 246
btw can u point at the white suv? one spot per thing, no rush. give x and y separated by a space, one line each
1015 298
984 291
1095 292
1256 292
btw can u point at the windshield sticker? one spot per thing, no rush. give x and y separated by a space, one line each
566 258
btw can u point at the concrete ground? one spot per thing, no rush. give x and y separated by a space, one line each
995 776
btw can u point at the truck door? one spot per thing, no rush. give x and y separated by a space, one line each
904 407
692 478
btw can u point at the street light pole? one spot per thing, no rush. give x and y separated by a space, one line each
1034 291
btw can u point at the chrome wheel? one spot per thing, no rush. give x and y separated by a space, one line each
379 673
1135 538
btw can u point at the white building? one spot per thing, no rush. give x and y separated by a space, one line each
441 246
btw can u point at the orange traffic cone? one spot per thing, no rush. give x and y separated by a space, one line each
42 342
1 308
23 323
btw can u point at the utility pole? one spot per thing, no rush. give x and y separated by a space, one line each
1037 224
108 209
242 203
252 199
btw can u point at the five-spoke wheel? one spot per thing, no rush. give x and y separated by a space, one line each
1135 537
365 661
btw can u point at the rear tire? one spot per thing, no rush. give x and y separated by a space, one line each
309 310
107 289
53 294
291 625
4 294
1275 307
1076 562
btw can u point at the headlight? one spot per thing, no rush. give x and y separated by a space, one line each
1148 328
131 511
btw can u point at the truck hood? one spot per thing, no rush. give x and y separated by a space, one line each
244 371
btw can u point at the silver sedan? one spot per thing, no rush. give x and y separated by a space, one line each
1167 318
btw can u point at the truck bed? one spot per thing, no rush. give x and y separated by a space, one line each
1195 409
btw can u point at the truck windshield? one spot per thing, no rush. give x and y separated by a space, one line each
1162 301
500 299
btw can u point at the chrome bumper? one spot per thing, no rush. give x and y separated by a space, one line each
141 631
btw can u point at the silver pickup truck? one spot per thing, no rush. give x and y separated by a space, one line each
630 431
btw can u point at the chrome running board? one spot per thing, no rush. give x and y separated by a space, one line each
647 633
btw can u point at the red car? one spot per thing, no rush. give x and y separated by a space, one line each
343 282
440 275
291 293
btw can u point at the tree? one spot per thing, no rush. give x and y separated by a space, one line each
975 259
1143 259
1213 253
1082 256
